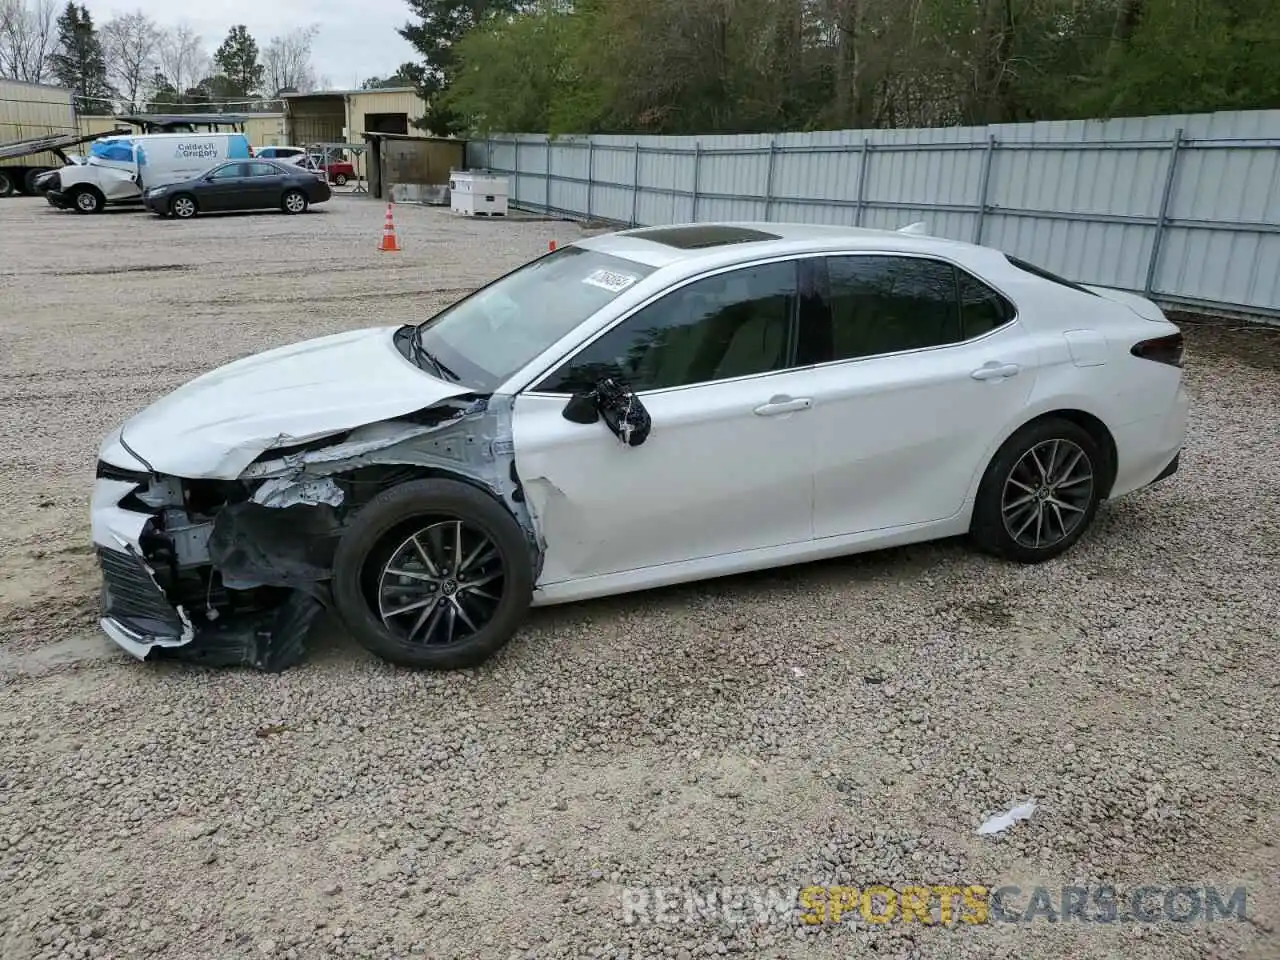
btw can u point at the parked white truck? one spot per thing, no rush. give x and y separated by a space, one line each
119 169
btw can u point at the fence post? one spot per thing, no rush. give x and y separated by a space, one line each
987 156
864 157
697 164
1163 218
515 162
546 193
591 156
635 185
488 152
768 183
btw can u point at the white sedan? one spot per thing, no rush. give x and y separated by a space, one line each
642 408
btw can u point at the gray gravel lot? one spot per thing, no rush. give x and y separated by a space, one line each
849 722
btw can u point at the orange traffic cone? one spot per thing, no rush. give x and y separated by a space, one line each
551 246
389 244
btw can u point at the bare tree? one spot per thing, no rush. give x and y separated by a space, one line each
182 57
28 35
287 60
131 42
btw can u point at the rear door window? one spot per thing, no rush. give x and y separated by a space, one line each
888 304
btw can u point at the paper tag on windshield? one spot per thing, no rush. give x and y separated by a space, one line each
608 280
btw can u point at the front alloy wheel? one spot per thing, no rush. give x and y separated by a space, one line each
183 207
441 585
434 574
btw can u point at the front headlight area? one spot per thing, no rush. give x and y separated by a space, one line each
175 538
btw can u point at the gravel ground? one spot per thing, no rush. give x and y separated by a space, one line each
849 722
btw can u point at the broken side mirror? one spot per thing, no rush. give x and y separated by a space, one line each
621 409
581 408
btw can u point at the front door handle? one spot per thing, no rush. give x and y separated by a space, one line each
783 404
996 371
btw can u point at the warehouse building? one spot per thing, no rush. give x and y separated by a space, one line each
334 116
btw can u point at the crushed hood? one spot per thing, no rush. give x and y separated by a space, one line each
217 424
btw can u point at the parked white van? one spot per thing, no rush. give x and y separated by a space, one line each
119 169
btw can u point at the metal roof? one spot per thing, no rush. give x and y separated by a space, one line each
348 93
373 135
192 118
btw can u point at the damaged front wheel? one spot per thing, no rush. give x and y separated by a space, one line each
434 574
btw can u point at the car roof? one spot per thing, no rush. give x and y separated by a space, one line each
695 245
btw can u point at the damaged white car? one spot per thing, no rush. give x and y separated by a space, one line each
637 409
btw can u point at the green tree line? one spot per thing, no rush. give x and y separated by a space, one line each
742 66
131 61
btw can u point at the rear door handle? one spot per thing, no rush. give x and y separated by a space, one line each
783 404
996 371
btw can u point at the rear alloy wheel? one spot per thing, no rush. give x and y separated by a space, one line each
294 201
340 179
87 200
433 574
1040 492
183 206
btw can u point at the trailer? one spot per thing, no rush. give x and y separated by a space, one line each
31 111
25 158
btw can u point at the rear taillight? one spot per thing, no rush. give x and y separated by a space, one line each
1161 349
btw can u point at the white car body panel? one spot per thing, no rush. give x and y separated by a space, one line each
876 452
215 425
604 508
901 437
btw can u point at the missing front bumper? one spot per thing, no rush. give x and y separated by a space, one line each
138 617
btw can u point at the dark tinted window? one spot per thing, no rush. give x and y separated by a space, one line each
262 170
886 304
701 237
229 171
981 308
730 325
1044 274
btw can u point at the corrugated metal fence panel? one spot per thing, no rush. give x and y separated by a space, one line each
1094 200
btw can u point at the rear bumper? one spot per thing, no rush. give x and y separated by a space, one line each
1150 450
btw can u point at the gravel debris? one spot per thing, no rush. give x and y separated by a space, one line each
850 722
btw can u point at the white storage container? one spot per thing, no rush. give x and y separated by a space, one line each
477 194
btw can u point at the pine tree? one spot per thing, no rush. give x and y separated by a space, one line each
79 63
237 61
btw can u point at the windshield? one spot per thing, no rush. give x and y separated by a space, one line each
491 334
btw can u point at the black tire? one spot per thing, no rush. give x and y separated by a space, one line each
387 522
340 179
29 181
294 202
989 529
87 200
183 206
6 184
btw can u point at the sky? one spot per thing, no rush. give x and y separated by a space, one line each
357 39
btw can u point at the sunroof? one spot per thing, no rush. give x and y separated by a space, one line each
695 238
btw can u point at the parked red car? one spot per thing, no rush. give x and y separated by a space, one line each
337 172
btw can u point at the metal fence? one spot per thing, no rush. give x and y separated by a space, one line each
1184 209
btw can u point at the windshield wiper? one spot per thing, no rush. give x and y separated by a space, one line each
422 353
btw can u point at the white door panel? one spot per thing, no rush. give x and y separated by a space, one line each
727 467
899 438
